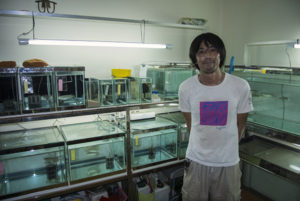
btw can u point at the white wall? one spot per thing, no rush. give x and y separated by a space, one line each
247 21
237 21
98 61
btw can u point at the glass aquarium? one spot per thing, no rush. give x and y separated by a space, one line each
183 133
36 89
153 141
9 94
69 87
166 79
31 159
120 91
106 92
275 94
99 151
140 90
92 90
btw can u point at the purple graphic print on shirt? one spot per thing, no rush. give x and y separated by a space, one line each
213 113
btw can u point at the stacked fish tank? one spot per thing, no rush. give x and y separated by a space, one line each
153 141
31 159
36 89
167 78
95 148
69 87
275 97
120 91
107 92
92 92
9 92
273 132
183 133
140 90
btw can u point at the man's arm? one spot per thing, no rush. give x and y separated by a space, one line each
188 119
241 123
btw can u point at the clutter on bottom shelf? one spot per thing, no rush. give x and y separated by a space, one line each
78 196
111 192
150 188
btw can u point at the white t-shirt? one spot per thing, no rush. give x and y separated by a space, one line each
214 133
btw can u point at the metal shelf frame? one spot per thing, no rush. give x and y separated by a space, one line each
128 175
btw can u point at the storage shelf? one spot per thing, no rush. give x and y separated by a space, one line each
92 182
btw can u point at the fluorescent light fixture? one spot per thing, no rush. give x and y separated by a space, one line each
296 45
26 41
295 167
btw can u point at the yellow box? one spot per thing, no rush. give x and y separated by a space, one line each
118 73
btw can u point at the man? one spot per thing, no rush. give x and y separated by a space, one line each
215 106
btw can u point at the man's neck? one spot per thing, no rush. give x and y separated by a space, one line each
211 79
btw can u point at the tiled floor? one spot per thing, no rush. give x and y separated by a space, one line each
251 196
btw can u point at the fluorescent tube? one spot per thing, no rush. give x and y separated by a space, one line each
25 41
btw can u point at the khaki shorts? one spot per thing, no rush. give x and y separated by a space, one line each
204 183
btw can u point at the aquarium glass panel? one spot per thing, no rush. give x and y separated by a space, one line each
167 80
134 90
146 90
70 87
275 98
31 159
9 94
36 88
183 134
92 90
90 130
153 140
106 92
121 91
152 147
95 148
96 158
140 90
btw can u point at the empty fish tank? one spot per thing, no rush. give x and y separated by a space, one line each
183 133
69 87
31 160
36 87
92 91
120 91
139 90
275 97
106 92
167 78
9 92
153 141
100 151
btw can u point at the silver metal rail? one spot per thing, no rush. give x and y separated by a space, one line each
84 17
82 111
61 190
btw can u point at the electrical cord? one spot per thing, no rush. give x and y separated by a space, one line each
290 63
31 30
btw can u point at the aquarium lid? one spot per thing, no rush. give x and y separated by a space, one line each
144 115
30 139
90 131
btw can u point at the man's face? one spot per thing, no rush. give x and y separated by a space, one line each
208 58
